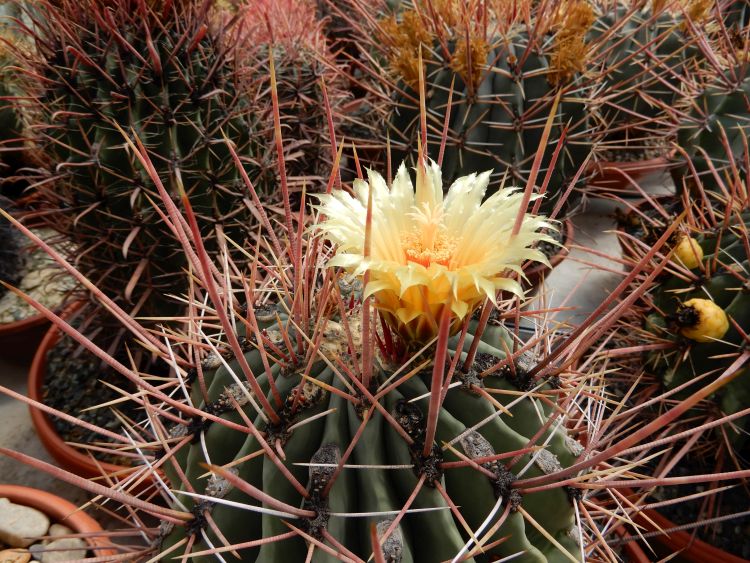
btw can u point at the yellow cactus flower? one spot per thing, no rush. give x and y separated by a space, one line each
688 252
430 251
702 320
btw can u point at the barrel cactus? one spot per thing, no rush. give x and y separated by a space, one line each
697 314
162 72
713 134
505 75
335 456
642 54
386 467
292 35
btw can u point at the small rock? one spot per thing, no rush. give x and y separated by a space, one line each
36 551
65 549
15 556
19 525
56 530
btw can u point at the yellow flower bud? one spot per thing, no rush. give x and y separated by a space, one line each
688 252
702 320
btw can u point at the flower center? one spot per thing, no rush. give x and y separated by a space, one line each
437 248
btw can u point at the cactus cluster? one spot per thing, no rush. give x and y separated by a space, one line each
321 370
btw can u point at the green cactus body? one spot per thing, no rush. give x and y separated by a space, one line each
719 107
728 286
736 15
11 244
174 86
426 536
498 123
642 57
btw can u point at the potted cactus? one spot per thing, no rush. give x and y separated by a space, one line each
643 54
31 270
515 91
694 326
502 80
165 73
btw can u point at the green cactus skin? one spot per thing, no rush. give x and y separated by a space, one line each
13 149
427 537
11 244
499 126
723 105
641 55
175 86
731 292
736 14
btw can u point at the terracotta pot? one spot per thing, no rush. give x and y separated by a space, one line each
70 458
63 512
667 541
535 271
634 553
613 176
690 549
20 339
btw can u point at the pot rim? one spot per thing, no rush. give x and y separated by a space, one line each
64 512
33 321
81 464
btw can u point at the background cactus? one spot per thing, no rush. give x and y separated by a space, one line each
506 71
162 71
11 243
721 277
290 32
696 315
13 149
642 54
713 133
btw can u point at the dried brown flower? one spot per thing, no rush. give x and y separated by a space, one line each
404 39
570 51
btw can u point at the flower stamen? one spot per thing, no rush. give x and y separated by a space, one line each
435 249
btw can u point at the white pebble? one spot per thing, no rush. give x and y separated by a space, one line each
19 525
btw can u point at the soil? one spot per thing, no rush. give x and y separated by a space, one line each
732 536
73 384
549 249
